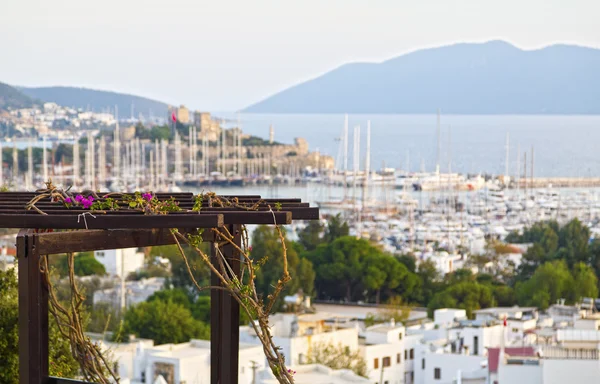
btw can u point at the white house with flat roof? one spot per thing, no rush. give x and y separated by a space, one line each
297 334
383 350
120 262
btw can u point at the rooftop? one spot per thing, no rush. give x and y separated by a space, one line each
508 310
319 374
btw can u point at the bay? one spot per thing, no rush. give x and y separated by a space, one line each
564 145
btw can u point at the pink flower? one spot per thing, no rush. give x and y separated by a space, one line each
90 198
68 200
147 196
79 198
87 203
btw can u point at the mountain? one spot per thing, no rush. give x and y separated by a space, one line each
97 100
12 98
487 78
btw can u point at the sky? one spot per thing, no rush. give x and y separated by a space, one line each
223 55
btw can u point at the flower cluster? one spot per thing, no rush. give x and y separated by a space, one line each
147 196
291 372
86 202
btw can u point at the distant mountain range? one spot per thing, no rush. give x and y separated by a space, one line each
97 100
488 78
12 98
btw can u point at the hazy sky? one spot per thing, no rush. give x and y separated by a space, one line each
224 54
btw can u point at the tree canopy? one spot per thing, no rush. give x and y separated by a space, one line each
85 264
267 252
164 322
347 268
62 363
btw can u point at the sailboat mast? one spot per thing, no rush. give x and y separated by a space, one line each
29 183
532 158
439 144
15 163
76 166
116 148
518 178
345 156
45 159
191 149
356 161
506 177
367 165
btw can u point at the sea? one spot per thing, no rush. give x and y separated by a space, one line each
562 145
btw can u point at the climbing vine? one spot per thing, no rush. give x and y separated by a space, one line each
241 287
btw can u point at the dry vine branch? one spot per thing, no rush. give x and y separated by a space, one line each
245 293
94 366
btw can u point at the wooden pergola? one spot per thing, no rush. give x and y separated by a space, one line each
40 235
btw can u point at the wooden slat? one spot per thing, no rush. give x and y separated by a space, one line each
97 240
13 213
110 221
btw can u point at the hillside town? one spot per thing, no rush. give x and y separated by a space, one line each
187 148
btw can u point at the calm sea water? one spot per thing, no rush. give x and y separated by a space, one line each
563 145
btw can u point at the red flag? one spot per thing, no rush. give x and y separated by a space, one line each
173 117
505 321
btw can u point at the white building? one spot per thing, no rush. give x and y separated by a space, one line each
135 292
298 334
316 374
120 262
383 350
444 262
551 365
141 361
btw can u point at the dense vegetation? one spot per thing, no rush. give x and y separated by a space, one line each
61 360
328 264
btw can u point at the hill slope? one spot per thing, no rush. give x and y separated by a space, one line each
12 98
97 100
492 77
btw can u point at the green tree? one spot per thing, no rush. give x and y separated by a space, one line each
409 261
160 132
341 268
573 241
468 295
62 363
180 274
336 227
310 236
104 317
176 295
532 259
550 282
429 279
594 249
201 309
504 296
353 269
85 264
337 357
586 282
164 322
268 251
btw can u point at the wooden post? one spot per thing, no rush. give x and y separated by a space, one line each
33 312
225 318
